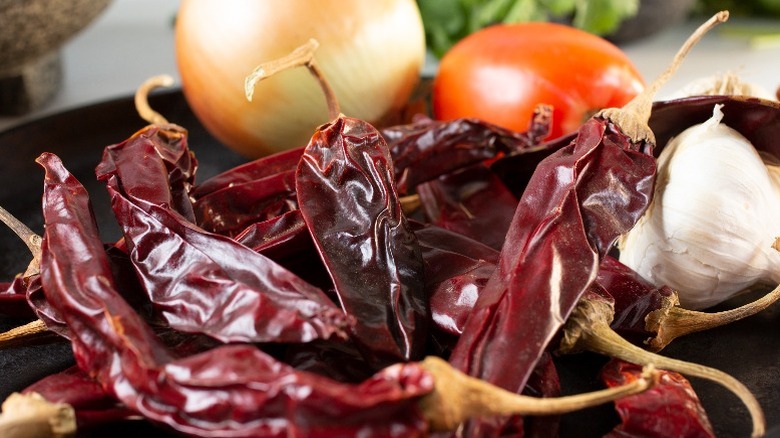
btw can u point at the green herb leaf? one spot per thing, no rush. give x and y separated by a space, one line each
448 21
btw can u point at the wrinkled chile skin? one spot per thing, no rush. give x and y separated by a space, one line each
578 201
232 390
347 196
203 282
634 297
670 408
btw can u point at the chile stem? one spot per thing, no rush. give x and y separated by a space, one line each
32 416
588 329
142 99
410 203
633 117
32 240
672 321
301 56
24 334
457 397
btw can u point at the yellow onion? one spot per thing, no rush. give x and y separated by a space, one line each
371 52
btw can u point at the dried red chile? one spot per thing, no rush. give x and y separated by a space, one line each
427 148
347 198
471 201
202 282
671 408
578 201
634 299
236 389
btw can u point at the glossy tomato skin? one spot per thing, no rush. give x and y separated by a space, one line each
500 73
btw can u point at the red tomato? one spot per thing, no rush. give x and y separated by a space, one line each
499 74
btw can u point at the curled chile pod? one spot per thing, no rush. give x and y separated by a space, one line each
579 200
552 237
154 164
427 148
347 197
203 282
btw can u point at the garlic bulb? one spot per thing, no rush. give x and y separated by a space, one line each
710 230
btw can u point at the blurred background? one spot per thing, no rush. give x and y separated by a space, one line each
117 44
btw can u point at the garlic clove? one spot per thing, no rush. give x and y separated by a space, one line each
710 229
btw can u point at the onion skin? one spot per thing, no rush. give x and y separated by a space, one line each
372 54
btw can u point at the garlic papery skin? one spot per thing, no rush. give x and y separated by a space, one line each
710 230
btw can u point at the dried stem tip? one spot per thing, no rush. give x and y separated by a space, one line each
142 99
32 416
457 397
672 321
24 334
588 329
32 240
633 117
301 56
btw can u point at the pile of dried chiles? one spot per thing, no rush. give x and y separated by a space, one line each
416 280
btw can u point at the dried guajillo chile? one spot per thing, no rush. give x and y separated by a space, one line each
652 317
421 151
204 283
260 168
231 210
428 148
237 390
456 268
347 197
348 200
578 201
277 237
199 281
471 201
671 408
588 329
91 404
155 163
